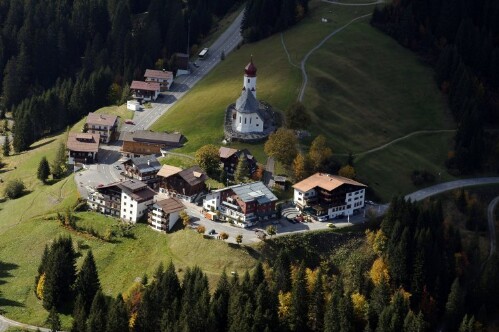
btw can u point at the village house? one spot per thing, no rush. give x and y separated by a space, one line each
185 184
103 124
143 169
163 77
145 91
243 204
82 148
229 158
127 200
181 62
324 196
145 142
164 213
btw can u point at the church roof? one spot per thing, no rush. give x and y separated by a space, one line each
250 69
247 103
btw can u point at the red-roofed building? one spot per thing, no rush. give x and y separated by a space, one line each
146 91
163 77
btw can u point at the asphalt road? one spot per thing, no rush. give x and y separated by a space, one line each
227 42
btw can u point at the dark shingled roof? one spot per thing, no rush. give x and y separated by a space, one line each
146 163
247 103
193 175
152 137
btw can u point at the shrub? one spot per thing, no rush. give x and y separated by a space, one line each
422 177
14 189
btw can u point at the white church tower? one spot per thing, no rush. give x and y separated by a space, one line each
249 83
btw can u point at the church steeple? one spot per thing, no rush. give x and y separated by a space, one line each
249 82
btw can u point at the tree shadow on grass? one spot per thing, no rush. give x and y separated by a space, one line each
5 272
34 147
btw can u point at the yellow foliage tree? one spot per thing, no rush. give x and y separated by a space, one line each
347 171
379 271
40 287
377 241
311 277
360 306
284 305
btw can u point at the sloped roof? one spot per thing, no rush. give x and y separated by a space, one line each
247 103
249 192
170 205
193 175
325 181
101 119
146 163
225 152
152 137
83 142
168 170
163 74
147 86
137 190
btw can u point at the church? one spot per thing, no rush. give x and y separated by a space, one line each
249 119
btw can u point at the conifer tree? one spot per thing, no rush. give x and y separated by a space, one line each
79 315
282 277
454 308
6 145
242 171
96 321
299 306
53 320
87 282
43 170
219 304
117 318
59 164
316 307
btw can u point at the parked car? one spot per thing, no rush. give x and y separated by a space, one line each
130 122
212 232
117 167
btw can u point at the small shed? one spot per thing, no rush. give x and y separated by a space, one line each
280 182
133 105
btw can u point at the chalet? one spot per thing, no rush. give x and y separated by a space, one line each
229 158
146 142
186 184
243 204
164 214
128 200
143 169
325 196
82 148
103 124
163 77
145 91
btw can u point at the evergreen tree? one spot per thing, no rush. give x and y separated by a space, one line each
43 170
6 145
282 277
316 307
219 304
79 315
59 164
96 321
242 171
454 308
299 303
53 320
87 282
117 318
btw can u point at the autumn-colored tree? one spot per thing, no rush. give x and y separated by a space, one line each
271 230
201 229
379 271
207 158
284 309
281 145
239 238
224 236
301 167
186 219
360 306
377 240
258 173
319 153
40 286
347 171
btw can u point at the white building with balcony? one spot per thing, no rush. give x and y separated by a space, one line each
164 214
324 196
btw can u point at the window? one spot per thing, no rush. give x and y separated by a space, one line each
240 120
245 120
248 80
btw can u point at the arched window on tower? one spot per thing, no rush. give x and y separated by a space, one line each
248 80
